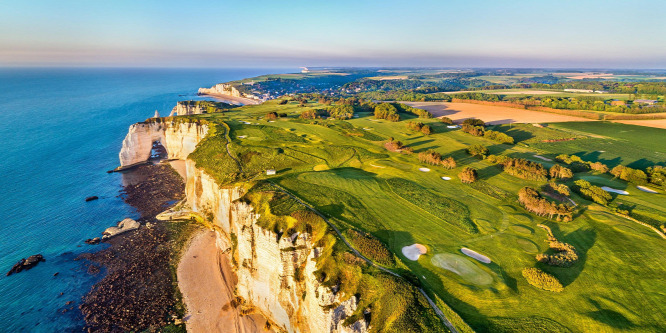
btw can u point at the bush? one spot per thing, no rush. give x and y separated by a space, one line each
430 157
478 150
499 137
341 111
415 126
542 280
446 120
474 122
520 167
371 247
592 192
426 130
468 175
631 175
449 163
271 116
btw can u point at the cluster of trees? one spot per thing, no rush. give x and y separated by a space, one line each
408 109
533 202
274 115
657 175
559 189
446 120
419 127
476 127
520 167
478 150
558 171
468 175
312 114
341 111
542 280
594 193
449 163
631 175
430 157
387 111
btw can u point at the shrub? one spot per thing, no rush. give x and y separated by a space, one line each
542 280
283 101
520 167
426 130
449 163
474 130
468 175
592 192
430 157
478 150
474 122
414 126
393 145
446 120
499 137
371 247
271 116
657 175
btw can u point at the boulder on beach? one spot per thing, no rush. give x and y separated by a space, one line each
93 241
123 226
25 264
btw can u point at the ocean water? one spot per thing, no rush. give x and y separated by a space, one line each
60 131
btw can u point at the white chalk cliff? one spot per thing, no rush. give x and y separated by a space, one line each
186 109
222 88
266 266
178 138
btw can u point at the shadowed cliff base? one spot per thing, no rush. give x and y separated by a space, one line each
138 291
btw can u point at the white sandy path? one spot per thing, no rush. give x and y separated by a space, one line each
475 255
614 190
207 282
490 114
646 189
414 251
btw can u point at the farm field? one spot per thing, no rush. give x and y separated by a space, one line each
342 169
490 114
657 123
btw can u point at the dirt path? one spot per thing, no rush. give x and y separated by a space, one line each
206 280
490 114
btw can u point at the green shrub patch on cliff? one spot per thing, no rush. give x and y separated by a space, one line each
371 247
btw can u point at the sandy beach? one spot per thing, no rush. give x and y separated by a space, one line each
490 114
206 281
233 99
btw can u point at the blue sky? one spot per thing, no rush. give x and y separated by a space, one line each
471 33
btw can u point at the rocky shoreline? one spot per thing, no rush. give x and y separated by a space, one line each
137 293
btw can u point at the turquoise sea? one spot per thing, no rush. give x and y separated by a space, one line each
60 131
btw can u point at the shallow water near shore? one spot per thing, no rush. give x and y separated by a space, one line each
61 131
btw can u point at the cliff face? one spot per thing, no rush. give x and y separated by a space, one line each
267 267
178 138
185 109
221 88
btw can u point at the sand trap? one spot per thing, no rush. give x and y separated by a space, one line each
446 178
424 169
413 252
453 126
610 189
475 255
543 158
242 136
377 166
245 122
646 189
367 129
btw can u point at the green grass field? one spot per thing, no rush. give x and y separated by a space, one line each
618 283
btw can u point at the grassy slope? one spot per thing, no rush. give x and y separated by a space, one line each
617 284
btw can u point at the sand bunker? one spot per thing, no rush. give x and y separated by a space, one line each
245 122
543 158
453 126
242 136
610 189
475 255
446 178
413 252
646 189
424 169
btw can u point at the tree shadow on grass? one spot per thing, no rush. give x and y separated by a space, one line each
609 317
582 240
419 143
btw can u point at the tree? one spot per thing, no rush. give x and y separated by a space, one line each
430 157
474 122
592 192
446 120
533 202
271 116
341 111
468 175
426 130
558 171
478 150
449 163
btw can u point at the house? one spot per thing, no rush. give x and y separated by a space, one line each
645 101
270 172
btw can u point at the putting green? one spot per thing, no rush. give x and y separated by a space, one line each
522 229
320 167
462 266
527 245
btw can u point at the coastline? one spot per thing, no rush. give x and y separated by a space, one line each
202 269
232 99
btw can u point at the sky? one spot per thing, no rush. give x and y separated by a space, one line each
451 33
